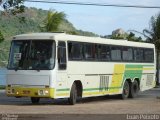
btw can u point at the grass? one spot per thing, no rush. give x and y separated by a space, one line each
4 52
2 87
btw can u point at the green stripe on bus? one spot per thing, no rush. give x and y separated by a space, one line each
148 65
66 89
92 89
138 66
134 66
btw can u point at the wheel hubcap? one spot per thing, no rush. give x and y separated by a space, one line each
126 91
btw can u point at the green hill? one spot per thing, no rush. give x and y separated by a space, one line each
28 22
12 25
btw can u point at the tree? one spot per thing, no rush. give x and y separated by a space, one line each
117 36
12 6
1 37
121 34
131 37
52 21
153 36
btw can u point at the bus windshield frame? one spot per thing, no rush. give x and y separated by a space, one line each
32 55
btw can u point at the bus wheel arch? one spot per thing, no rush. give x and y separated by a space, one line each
134 88
76 92
129 80
138 80
79 87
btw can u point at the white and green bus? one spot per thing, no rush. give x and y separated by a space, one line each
57 65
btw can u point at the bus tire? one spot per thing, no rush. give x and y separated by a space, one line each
134 89
73 95
125 92
35 100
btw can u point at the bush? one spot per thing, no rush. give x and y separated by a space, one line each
1 37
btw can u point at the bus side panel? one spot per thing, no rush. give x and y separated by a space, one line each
62 89
98 77
148 78
103 78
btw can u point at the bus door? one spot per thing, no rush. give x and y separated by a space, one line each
62 65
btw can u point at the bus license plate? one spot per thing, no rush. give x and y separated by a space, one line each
26 92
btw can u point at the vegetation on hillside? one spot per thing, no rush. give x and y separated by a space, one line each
13 25
28 22
2 87
4 52
1 37
31 21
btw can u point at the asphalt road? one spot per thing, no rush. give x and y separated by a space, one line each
147 102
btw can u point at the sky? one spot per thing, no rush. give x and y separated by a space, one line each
103 20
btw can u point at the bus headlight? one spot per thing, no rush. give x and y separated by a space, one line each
43 92
46 92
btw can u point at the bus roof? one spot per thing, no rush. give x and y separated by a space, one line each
66 37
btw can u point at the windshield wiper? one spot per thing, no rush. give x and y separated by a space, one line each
16 69
38 67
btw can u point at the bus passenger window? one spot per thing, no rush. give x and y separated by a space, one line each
62 56
149 55
104 54
89 51
75 51
127 54
116 53
138 55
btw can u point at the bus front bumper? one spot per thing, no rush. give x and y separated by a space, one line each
30 92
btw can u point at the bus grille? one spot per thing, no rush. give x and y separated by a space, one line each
149 80
104 82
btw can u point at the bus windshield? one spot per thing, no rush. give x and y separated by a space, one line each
32 55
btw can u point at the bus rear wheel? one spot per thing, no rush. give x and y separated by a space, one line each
126 89
35 100
134 89
73 95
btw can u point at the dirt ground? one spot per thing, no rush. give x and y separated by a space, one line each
147 102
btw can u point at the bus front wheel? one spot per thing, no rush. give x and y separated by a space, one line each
35 100
73 95
126 89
